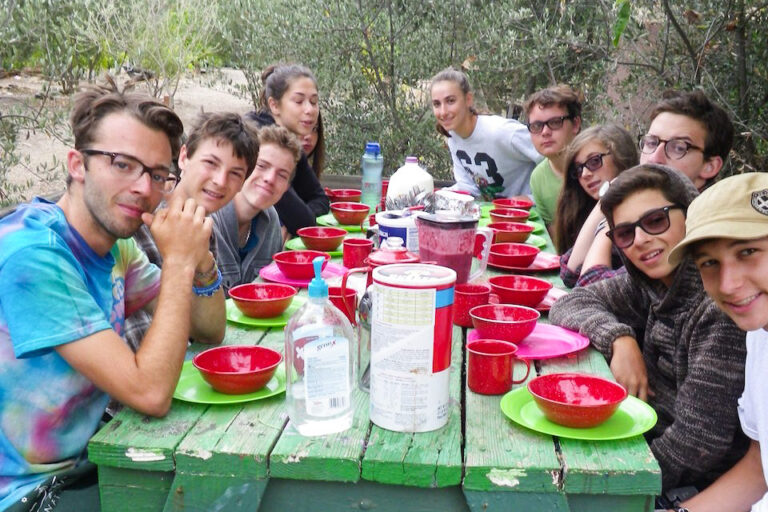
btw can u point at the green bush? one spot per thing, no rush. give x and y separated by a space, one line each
373 58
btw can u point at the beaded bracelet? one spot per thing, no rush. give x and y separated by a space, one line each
208 276
207 291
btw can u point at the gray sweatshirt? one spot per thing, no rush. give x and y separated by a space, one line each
234 269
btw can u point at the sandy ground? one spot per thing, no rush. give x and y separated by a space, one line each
43 172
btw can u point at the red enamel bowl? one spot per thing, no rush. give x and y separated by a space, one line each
349 195
517 232
512 255
237 369
350 214
505 322
262 300
520 290
509 215
576 399
513 202
298 264
319 238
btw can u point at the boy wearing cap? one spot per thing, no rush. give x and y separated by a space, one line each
727 235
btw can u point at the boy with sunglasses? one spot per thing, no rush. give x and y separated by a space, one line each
665 340
553 116
727 238
690 134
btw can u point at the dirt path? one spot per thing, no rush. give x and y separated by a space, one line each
41 171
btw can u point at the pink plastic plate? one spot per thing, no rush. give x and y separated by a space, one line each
552 295
545 342
272 273
544 261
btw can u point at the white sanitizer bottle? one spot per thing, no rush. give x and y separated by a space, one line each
319 364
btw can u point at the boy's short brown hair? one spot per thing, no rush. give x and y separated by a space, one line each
561 95
698 106
229 127
282 137
96 102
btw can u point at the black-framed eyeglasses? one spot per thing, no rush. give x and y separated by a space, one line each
654 222
163 179
674 148
554 123
592 163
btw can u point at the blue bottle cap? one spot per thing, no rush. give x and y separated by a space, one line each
317 287
372 147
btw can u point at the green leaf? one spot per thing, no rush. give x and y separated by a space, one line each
622 18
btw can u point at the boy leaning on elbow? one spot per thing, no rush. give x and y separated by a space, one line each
727 236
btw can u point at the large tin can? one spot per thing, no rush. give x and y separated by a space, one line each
411 346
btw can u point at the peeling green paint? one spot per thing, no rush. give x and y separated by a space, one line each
506 477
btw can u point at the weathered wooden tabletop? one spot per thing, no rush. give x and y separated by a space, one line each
247 457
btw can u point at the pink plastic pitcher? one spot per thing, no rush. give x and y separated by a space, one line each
449 240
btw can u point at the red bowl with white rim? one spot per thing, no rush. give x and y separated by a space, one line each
318 238
577 400
509 215
506 322
522 203
514 232
350 214
512 255
349 195
521 290
237 369
298 264
262 300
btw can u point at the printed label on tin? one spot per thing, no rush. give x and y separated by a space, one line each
418 403
403 387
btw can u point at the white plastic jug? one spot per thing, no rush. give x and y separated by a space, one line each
408 178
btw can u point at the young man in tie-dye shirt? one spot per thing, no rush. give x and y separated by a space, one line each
69 274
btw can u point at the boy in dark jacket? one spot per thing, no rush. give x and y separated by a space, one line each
666 341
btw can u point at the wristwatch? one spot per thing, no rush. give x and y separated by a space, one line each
680 509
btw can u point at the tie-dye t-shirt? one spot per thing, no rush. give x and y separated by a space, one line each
55 289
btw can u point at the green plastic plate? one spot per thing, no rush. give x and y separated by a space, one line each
537 241
193 388
329 220
237 316
538 227
632 418
486 208
297 244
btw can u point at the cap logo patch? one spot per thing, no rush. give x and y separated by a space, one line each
760 201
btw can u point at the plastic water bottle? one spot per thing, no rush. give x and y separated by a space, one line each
319 364
373 164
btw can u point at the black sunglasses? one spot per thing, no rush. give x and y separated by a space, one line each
592 163
654 222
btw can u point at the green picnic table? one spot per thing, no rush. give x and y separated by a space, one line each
247 457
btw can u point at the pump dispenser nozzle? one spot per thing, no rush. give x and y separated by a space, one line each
317 287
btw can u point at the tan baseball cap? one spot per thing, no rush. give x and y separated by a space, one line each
735 208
